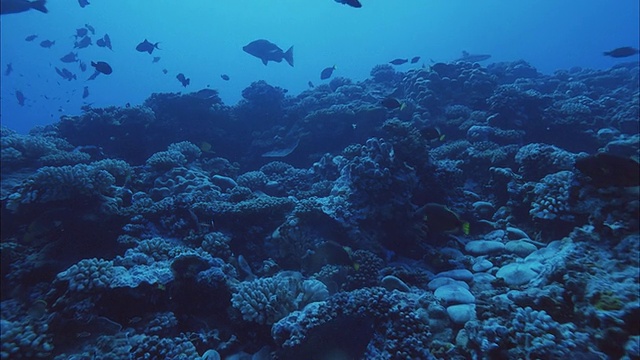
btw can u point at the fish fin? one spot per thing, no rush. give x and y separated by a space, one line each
265 61
465 227
156 45
39 5
288 56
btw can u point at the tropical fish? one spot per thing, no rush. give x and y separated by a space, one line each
85 92
268 51
432 133
310 84
398 61
83 43
93 31
8 70
155 59
104 42
83 3
165 71
83 66
327 72
102 67
352 3
20 97
610 170
146 46
438 219
621 52
81 32
30 37
392 103
66 74
70 57
225 77
472 58
18 6
183 80
47 43
415 59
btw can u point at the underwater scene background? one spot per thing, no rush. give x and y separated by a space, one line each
319 180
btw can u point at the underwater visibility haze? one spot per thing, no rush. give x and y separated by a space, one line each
328 179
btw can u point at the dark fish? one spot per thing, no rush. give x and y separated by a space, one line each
83 3
183 80
66 74
93 31
83 66
268 51
20 97
352 3
165 71
415 59
30 37
146 46
310 84
205 94
610 170
392 103
472 58
81 32
621 52
326 73
225 77
47 43
85 92
398 61
70 57
156 59
431 133
8 70
329 252
83 43
18 6
438 219
102 67
104 42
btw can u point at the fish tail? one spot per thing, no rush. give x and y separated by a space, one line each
465 227
156 45
288 56
403 106
39 5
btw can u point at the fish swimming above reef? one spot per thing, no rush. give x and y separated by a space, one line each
47 43
268 51
70 57
392 103
8 70
66 74
81 32
18 6
83 3
472 58
440 219
155 59
607 170
398 61
85 92
83 66
432 133
621 52
327 72
205 94
93 31
83 43
225 77
20 97
352 3
183 80
147 46
31 37
105 42
415 59
311 84
102 67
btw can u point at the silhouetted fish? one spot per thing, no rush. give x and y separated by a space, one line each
70 57
225 77
18 6
47 43
415 59
621 52
102 67
83 3
326 73
81 32
83 43
398 61
20 97
472 58
104 42
352 3
392 103
183 80
85 92
268 51
30 37
205 94
83 66
155 59
165 71
93 31
310 84
146 46
66 74
8 70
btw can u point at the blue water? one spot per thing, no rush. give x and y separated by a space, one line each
204 39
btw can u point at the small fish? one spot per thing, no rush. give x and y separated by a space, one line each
183 80
30 37
81 32
85 92
20 97
621 52
155 59
327 72
104 42
18 6
225 77
146 46
607 170
472 58
83 43
352 3
70 57
398 61
83 3
93 31
310 84
83 66
432 133
8 70
268 51
415 59
66 74
392 103
439 219
165 71
205 94
102 67
47 43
